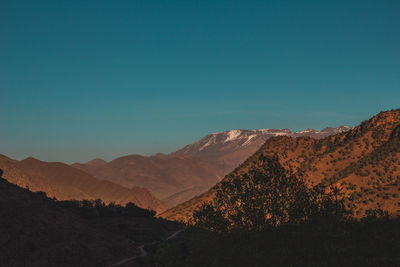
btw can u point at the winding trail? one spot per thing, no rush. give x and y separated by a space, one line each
175 234
143 252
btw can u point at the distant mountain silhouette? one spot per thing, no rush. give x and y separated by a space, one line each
96 162
364 161
163 175
63 182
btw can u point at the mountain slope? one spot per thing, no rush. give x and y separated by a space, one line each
364 161
19 177
163 175
63 182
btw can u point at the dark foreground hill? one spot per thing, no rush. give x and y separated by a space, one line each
38 231
269 217
374 243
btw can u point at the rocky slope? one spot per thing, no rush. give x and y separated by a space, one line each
230 148
63 182
364 161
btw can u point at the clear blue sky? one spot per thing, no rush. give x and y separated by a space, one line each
85 79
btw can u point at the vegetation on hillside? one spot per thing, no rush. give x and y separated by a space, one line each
267 217
269 196
97 208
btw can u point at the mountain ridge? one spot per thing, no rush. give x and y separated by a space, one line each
229 141
64 182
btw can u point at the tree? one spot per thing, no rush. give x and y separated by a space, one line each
267 196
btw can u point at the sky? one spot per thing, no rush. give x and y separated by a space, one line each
87 79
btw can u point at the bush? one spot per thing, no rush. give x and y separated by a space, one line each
97 208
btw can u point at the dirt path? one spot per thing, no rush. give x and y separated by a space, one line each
143 252
174 234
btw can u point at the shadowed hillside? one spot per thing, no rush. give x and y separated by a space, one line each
38 231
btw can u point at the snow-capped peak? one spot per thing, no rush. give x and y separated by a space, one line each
232 135
244 138
308 130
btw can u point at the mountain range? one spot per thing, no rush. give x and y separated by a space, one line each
163 175
230 148
363 161
64 182
192 170
156 182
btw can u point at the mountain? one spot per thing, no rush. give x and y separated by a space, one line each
194 169
96 162
163 175
64 182
230 148
363 161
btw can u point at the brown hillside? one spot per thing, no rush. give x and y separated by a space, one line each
163 175
19 177
65 182
363 161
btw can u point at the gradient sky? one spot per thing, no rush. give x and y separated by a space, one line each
85 79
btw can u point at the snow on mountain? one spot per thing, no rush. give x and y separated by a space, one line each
234 139
232 135
249 138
